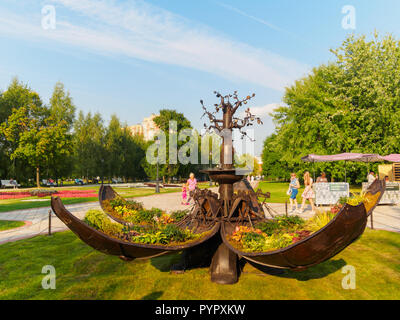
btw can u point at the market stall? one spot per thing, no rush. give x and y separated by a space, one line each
329 193
392 174
391 195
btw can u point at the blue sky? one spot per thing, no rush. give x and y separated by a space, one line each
134 57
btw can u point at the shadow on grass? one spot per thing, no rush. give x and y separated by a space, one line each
153 296
316 272
164 262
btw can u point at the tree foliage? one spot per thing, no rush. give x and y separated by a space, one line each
34 134
349 105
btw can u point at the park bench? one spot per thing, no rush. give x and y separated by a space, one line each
48 183
8 184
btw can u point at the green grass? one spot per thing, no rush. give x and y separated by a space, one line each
278 191
18 204
83 273
7 225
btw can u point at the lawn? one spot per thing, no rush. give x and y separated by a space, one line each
7 225
83 273
21 204
278 191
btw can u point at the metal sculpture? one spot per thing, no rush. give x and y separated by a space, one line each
217 215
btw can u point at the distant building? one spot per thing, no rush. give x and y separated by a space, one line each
147 128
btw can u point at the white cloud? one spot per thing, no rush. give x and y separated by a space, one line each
142 31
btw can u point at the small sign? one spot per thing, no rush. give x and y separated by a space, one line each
392 187
338 187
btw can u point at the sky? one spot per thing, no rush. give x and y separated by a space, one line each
133 58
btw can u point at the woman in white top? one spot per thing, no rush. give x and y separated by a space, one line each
308 193
371 177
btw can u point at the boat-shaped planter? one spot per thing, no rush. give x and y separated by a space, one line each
346 227
108 193
123 249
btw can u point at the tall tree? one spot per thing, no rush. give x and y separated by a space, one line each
90 154
114 147
349 105
22 111
62 107
62 113
162 121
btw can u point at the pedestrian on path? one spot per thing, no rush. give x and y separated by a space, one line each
184 195
294 187
308 193
192 185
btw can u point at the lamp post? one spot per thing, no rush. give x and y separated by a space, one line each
211 163
157 183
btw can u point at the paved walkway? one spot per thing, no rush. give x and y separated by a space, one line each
384 217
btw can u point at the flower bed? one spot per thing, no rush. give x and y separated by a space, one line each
77 193
161 232
283 231
46 193
134 213
14 195
277 233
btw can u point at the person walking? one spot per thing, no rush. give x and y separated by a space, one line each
184 195
192 185
371 177
294 187
308 193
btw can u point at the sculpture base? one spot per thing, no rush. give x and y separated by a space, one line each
214 254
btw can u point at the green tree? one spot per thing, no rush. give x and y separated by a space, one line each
16 96
62 114
134 153
90 153
62 107
349 105
162 121
114 148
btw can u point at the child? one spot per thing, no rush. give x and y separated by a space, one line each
184 195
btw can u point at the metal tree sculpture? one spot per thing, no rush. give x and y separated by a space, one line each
224 126
218 215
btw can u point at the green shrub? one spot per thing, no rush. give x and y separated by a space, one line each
179 215
173 233
280 223
253 241
131 204
319 220
268 227
98 220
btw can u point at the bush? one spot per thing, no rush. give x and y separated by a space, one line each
280 223
173 233
42 193
99 221
179 215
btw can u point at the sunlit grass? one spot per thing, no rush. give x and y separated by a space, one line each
7 225
21 204
278 191
83 273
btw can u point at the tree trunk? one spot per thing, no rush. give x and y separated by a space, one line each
37 177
